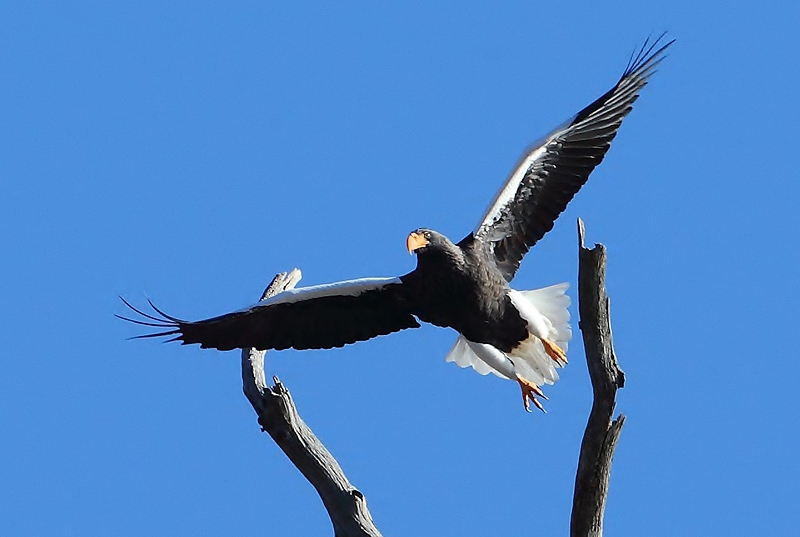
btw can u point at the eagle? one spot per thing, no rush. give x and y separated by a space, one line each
464 285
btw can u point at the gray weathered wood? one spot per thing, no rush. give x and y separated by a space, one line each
277 415
601 435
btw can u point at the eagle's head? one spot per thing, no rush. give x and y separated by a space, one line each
427 243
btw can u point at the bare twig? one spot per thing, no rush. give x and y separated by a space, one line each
601 435
277 415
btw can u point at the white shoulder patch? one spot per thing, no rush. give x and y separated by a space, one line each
509 189
343 288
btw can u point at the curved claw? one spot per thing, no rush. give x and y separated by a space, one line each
530 391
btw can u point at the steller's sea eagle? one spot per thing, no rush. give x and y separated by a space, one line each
519 335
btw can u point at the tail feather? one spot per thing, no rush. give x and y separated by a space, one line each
553 302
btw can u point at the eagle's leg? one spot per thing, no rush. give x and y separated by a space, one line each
554 351
529 393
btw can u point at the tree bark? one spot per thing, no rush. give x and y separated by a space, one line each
277 415
601 435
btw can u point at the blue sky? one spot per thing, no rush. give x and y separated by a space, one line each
191 150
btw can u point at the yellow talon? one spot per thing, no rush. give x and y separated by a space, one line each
529 393
554 352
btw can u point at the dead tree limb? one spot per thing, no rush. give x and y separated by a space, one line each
601 435
277 415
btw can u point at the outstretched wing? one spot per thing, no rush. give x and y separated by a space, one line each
317 317
552 172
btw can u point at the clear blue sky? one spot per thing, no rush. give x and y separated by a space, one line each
190 151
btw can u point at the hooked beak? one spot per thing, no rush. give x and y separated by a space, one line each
415 241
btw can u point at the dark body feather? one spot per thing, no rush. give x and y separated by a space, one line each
456 286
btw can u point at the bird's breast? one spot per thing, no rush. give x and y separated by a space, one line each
480 316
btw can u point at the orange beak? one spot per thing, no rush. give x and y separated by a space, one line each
415 241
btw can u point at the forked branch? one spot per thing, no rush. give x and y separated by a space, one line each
277 415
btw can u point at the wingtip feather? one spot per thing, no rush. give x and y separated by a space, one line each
643 62
173 324
159 334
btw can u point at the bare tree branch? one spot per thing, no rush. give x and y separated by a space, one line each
601 435
277 415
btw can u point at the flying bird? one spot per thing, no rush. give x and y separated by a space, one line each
518 335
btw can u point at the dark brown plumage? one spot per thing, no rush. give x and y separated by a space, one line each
463 286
